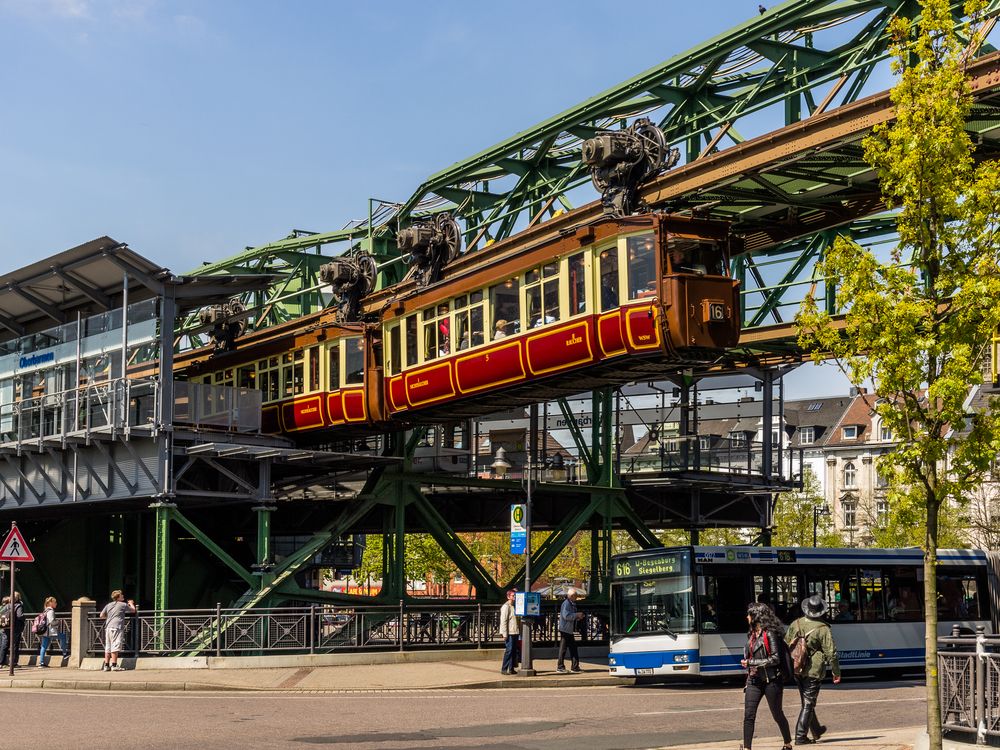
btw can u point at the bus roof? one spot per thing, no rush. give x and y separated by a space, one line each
821 555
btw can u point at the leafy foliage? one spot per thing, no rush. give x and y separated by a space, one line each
919 326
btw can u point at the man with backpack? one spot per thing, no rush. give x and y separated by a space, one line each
810 642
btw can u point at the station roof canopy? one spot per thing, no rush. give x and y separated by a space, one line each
90 279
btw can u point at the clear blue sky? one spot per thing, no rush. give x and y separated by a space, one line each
192 129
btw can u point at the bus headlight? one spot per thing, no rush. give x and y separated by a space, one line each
682 658
611 660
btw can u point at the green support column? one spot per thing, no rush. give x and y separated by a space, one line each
161 563
265 562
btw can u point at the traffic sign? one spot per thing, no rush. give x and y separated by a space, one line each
518 531
14 549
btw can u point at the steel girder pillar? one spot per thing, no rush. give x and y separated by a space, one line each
265 556
161 555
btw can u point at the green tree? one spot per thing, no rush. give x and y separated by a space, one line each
918 327
794 516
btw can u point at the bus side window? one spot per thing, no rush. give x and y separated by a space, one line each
333 373
577 284
724 604
839 589
609 279
411 340
905 601
395 350
354 361
958 597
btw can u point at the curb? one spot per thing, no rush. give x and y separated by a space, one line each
164 686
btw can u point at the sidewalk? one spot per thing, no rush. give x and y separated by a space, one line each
887 739
350 678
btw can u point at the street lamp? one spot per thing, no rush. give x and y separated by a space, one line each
500 464
557 468
818 510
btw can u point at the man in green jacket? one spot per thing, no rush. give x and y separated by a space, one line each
822 651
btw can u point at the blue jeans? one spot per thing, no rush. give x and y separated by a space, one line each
46 640
510 654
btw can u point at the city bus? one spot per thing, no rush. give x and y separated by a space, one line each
681 611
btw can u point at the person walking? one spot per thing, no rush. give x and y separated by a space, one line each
114 613
820 651
568 617
52 631
510 629
762 659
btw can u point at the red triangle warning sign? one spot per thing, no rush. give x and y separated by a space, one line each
14 549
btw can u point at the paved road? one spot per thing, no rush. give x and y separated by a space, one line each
533 719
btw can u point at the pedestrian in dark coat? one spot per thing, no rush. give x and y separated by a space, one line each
762 660
822 651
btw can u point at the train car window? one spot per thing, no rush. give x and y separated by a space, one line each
541 295
608 259
437 332
395 350
505 309
905 602
314 368
577 284
476 325
245 376
641 253
354 361
263 383
411 340
333 364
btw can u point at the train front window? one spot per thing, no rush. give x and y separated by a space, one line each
641 253
354 361
608 260
696 256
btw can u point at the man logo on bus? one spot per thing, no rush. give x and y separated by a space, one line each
731 555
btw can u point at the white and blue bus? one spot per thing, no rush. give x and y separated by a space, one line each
682 610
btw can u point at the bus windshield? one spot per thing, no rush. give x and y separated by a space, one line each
658 599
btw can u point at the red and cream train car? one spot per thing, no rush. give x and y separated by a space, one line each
607 302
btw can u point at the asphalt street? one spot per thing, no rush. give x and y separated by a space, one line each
534 719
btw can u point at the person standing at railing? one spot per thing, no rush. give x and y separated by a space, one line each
115 612
510 628
15 610
52 631
4 629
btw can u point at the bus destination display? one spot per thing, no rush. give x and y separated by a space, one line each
645 567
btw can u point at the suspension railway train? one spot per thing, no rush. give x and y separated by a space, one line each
615 300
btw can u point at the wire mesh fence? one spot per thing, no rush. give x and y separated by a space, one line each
326 629
969 683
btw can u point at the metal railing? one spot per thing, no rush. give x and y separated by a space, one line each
328 629
969 675
218 407
117 405
717 455
31 642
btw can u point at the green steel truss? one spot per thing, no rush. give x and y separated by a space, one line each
799 59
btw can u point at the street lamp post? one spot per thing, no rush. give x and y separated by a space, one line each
818 510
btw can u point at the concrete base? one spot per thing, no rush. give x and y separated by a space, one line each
952 742
353 658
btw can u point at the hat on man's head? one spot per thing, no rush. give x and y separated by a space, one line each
815 606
